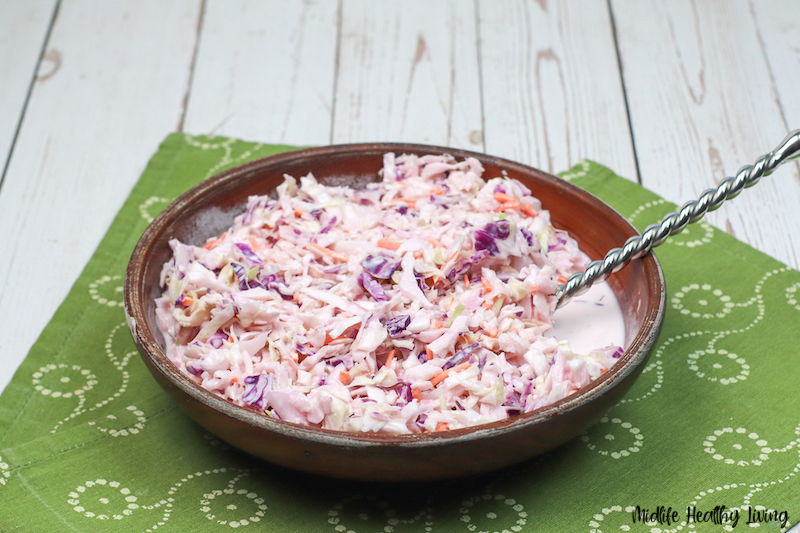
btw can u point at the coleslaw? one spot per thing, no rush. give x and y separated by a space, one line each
419 303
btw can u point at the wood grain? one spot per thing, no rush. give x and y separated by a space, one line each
23 28
265 71
88 132
408 72
702 104
778 30
551 85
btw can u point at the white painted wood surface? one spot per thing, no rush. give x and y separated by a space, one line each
265 71
89 128
23 28
702 104
408 72
552 92
704 87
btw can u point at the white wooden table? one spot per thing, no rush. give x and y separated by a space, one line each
676 94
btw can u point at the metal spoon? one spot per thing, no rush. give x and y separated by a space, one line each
675 222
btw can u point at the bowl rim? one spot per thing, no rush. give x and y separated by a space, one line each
638 349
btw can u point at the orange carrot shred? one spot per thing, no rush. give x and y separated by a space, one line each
493 333
253 244
298 213
210 244
416 393
487 285
503 197
417 255
330 253
508 206
409 201
389 245
188 301
344 377
466 281
428 353
438 378
434 241
234 379
562 279
389 358
442 426
529 211
438 325
437 190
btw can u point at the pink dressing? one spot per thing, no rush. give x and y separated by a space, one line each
590 320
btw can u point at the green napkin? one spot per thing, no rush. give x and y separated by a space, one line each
89 442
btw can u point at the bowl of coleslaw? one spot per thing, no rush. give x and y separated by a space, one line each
381 312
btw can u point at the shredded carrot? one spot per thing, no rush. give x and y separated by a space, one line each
437 190
389 358
429 353
409 201
503 197
562 279
417 255
488 304
442 426
188 301
438 378
529 211
466 281
230 339
330 253
487 285
253 244
416 393
434 241
296 297
493 333
438 325
508 206
389 245
298 213
455 254
344 377
234 379
210 244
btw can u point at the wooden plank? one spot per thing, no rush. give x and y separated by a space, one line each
778 26
551 86
23 28
89 129
703 104
408 72
265 71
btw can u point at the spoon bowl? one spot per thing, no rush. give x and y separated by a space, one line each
209 208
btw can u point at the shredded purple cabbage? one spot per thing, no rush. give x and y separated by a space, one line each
372 287
397 325
254 387
248 252
329 225
461 355
499 229
381 266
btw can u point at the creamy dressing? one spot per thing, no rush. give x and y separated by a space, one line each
590 321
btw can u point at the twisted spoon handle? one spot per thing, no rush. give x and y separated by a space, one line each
673 223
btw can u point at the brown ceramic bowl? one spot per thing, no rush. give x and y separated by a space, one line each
209 208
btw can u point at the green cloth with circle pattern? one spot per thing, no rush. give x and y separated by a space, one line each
89 442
